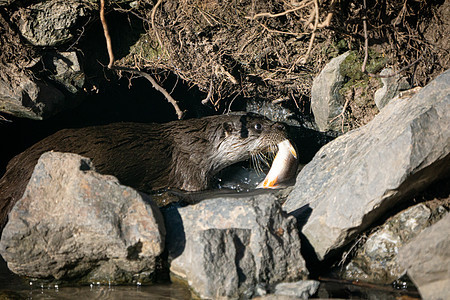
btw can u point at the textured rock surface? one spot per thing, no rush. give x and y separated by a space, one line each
300 289
227 246
326 102
66 70
376 261
427 260
23 96
49 23
74 223
392 86
356 178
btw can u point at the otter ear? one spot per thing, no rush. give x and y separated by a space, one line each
227 128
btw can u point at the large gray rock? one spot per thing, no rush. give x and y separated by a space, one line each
377 259
358 177
326 101
73 223
427 260
231 246
49 23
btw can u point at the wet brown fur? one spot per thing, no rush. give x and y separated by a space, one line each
180 154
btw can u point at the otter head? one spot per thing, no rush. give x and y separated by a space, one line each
247 135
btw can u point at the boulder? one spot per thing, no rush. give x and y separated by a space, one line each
49 23
231 246
392 86
377 259
427 260
358 177
326 101
75 224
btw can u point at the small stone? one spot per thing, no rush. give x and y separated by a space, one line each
392 86
301 289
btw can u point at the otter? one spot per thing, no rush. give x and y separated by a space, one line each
180 154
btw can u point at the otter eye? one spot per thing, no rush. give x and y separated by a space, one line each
258 127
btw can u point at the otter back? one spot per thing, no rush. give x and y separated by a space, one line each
179 154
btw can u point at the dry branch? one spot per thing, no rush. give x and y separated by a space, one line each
366 50
270 15
147 76
106 33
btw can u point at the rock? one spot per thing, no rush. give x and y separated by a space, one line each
274 111
392 86
376 261
75 224
23 96
427 260
301 289
358 177
326 102
49 23
66 70
238 243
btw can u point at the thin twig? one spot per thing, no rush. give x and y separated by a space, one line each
366 52
208 97
342 114
106 33
313 35
270 15
327 20
366 39
80 35
147 76
153 22
2 118
397 72
156 86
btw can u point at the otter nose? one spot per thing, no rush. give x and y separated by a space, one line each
280 126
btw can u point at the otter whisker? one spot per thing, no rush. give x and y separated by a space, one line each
256 161
264 158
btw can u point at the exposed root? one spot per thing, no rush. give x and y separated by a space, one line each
147 76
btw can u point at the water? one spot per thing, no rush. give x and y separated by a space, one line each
14 287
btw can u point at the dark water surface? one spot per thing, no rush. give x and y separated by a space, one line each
14 287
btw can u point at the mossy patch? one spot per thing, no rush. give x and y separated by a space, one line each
145 50
359 88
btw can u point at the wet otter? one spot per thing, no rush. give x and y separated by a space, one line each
179 154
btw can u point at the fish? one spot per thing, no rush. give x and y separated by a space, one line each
283 168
